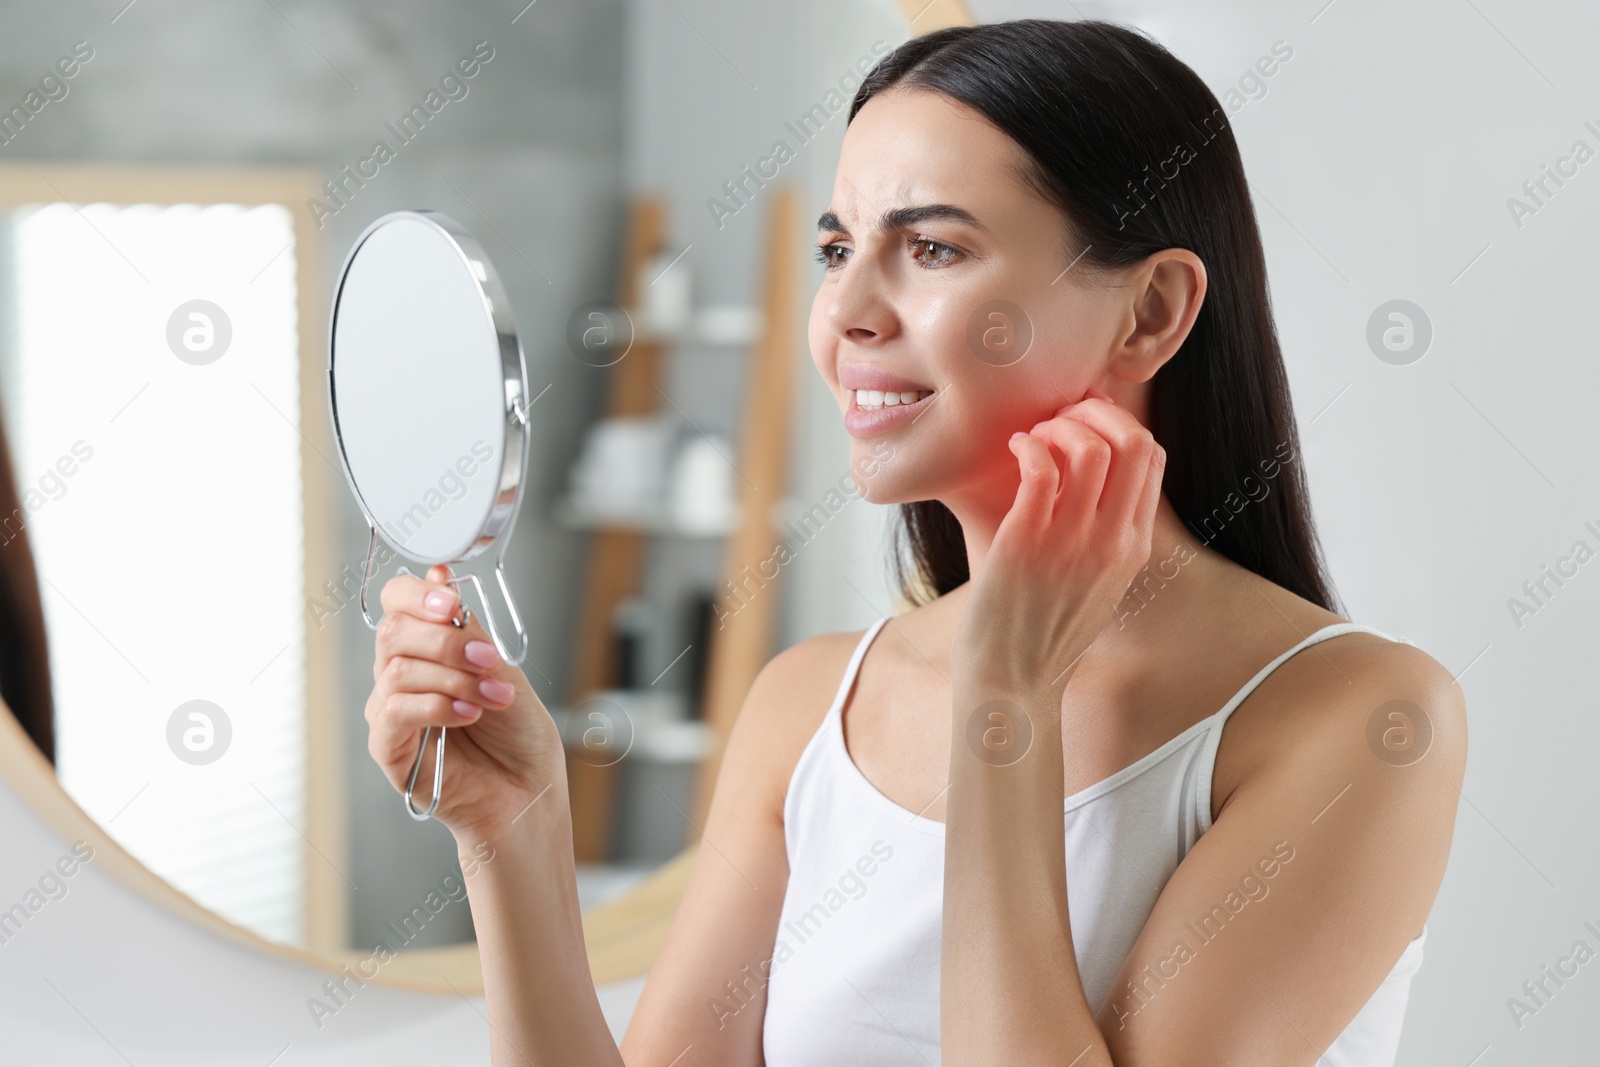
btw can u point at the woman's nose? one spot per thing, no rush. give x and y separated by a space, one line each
858 310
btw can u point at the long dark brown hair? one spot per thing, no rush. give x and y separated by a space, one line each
1138 154
24 654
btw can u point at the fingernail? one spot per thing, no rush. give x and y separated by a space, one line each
464 709
497 691
482 653
1018 434
1098 395
438 602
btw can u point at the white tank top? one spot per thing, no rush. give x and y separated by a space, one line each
855 970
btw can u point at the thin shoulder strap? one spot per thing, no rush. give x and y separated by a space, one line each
855 665
1208 754
1337 629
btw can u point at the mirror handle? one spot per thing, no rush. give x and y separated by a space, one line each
488 616
438 775
367 573
514 659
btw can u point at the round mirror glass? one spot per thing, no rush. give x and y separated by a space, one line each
426 385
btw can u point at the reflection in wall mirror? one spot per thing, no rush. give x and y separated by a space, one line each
152 385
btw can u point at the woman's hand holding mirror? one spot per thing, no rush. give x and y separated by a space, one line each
505 752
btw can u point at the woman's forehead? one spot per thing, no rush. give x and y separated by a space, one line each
906 148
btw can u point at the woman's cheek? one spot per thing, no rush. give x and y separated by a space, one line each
1056 371
976 337
820 341
939 328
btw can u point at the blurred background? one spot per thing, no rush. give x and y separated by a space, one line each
174 211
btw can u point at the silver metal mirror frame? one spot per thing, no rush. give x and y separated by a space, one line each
497 527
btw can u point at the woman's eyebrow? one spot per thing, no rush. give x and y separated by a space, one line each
902 218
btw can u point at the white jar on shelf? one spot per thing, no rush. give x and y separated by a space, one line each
700 495
620 472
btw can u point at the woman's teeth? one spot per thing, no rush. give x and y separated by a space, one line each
868 399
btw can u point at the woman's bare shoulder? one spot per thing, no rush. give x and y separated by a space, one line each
796 687
1388 700
1362 676
1324 698
786 704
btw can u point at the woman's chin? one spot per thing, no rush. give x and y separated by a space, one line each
907 476
883 491
886 475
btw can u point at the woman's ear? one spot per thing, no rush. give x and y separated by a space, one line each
1164 294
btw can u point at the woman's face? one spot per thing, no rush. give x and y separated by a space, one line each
940 266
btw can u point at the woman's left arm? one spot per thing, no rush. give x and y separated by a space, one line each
1349 847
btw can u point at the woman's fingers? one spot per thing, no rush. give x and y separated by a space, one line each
406 712
466 648
407 674
1150 494
426 599
1112 471
398 720
1087 458
429 653
1040 477
1132 449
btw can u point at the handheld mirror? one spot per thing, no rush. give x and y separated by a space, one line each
427 390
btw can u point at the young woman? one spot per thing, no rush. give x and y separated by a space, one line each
1122 787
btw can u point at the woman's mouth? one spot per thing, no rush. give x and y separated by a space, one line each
875 411
872 399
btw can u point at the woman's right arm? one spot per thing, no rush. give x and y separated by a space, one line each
506 801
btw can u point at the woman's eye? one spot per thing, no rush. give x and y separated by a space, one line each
928 252
825 256
931 253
